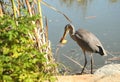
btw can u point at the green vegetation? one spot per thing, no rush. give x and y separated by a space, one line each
25 51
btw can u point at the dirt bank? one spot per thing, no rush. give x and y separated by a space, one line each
89 78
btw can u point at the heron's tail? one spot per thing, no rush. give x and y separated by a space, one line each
105 54
102 51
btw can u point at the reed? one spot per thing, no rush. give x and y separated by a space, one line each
14 8
40 34
1 12
40 12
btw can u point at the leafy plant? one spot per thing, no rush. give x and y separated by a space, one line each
20 60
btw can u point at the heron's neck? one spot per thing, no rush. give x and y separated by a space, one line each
72 33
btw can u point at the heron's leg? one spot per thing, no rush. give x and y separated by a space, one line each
92 62
85 62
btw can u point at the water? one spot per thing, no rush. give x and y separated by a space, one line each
101 17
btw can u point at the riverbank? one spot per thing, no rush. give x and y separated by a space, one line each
89 78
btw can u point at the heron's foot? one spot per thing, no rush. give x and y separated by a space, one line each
78 73
81 73
91 72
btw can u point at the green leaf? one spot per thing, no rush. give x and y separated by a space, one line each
7 78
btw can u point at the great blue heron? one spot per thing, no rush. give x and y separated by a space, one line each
86 40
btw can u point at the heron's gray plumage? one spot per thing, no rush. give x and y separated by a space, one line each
89 42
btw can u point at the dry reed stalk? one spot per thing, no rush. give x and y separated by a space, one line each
36 30
43 38
19 4
43 43
37 39
29 8
48 42
2 8
46 23
1 12
74 61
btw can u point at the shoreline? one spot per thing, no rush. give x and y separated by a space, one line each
89 78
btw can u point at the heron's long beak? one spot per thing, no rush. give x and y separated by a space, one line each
63 40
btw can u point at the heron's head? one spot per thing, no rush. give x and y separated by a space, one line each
68 27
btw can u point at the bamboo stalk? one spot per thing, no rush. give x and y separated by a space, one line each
14 11
40 13
14 8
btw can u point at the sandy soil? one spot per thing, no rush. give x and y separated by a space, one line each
75 78
89 78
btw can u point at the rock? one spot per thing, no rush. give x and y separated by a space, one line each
108 73
109 69
107 78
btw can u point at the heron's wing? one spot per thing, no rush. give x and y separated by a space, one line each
89 39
